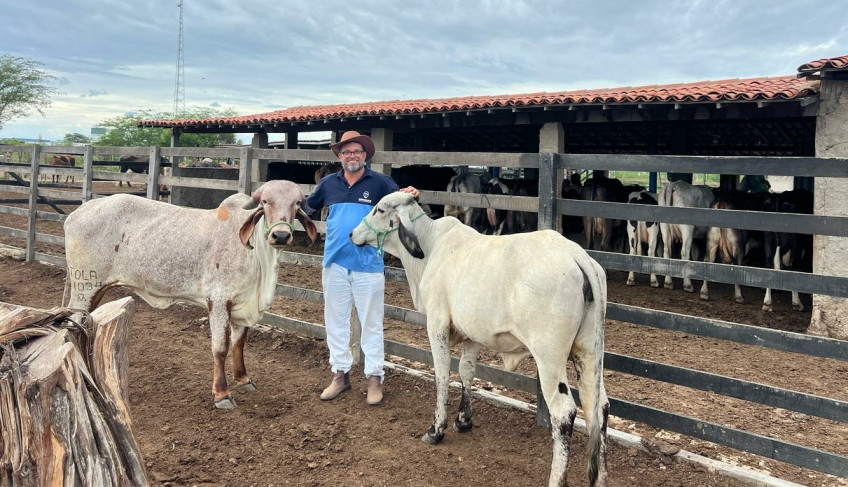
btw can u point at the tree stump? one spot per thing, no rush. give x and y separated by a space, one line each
64 410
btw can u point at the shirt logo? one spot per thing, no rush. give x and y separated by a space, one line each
365 194
365 197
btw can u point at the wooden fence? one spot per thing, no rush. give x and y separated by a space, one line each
550 206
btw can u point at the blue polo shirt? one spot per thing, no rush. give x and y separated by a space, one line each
348 206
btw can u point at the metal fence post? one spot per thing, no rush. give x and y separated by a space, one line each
245 169
87 172
153 173
33 203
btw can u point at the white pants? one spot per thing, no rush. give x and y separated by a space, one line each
343 289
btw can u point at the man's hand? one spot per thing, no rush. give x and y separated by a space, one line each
410 190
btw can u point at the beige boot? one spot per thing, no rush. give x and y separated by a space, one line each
341 383
375 390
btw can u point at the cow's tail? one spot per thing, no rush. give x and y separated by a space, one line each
593 397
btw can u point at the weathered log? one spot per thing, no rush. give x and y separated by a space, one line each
63 398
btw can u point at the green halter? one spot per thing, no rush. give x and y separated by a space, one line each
381 234
267 229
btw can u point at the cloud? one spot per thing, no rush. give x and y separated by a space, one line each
93 93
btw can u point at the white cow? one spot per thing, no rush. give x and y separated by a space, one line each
639 232
681 194
481 290
168 254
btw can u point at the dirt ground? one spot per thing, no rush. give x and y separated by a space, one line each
284 435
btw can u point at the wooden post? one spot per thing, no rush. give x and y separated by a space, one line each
548 219
246 170
548 184
33 203
383 141
153 173
87 172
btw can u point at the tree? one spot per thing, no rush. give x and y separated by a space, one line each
124 131
23 88
75 138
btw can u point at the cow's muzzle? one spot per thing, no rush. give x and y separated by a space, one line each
279 236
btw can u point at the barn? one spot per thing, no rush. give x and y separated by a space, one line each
801 114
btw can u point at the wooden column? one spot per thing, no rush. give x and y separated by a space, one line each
174 160
87 172
245 170
153 173
830 254
551 145
383 141
551 142
33 202
291 140
259 171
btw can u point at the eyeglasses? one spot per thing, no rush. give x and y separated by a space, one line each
348 153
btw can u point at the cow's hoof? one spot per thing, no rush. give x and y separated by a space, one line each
668 286
431 437
631 283
798 307
655 284
740 300
689 289
248 386
225 403
767 307
462 426
704 297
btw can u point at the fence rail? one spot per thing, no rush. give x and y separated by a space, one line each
550 206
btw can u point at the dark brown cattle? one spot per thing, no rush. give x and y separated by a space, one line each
62 160
611 231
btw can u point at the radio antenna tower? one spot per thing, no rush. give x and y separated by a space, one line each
179 82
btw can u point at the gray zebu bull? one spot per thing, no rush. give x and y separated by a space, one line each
168 254
681 194
475 291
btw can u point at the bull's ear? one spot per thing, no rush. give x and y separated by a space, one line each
246 230
407 238
304 219
255 199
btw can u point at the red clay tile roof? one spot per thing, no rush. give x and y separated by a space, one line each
840 63
751 89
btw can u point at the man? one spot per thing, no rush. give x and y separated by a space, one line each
352 276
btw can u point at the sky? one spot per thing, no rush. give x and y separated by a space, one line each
113 57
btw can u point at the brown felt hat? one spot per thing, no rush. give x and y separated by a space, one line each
353 136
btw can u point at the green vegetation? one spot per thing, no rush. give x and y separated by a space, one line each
124 131
634 177
75 138
23 88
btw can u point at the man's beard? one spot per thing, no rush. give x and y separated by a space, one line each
353 166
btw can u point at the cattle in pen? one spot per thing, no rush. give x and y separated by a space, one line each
469 183
62 160
680 194
788 250
506 222
225 260
732 245
476 293
642 235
